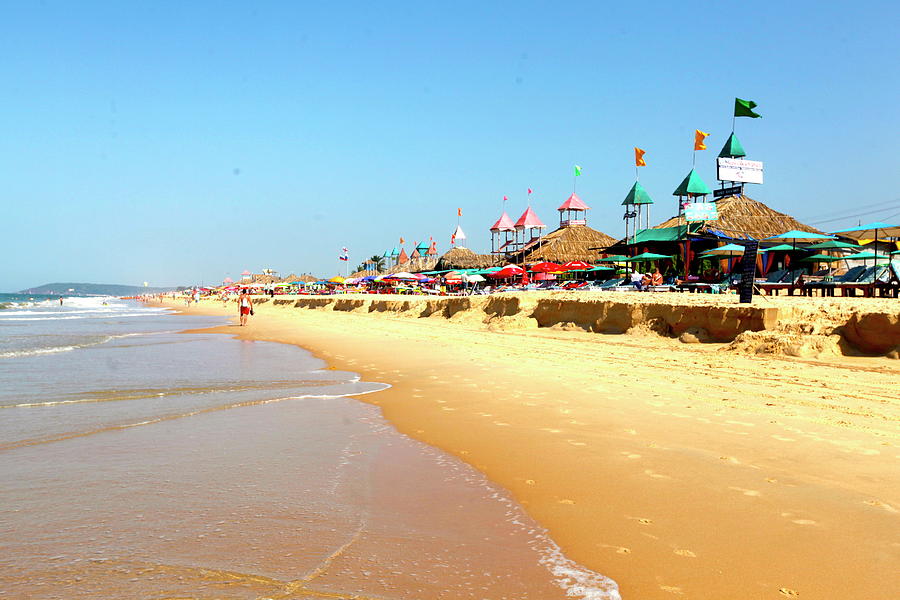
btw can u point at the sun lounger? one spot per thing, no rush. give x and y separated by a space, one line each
890 286
828 287
866 283
790 282
610 284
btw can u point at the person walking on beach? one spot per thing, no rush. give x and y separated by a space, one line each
245 306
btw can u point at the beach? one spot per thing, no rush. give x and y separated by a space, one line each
760 466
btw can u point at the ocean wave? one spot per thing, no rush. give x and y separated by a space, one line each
53 349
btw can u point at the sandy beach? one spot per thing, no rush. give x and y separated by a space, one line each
760 464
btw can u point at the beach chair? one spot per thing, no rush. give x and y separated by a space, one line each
827 287
792 280
610 284
890 286
866 283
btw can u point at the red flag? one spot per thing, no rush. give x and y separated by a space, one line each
453 239
458 212
505 198
529 190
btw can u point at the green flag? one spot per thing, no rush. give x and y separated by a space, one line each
577 170
744 108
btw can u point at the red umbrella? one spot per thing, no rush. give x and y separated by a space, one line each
507 271
544 277
576 265
547 267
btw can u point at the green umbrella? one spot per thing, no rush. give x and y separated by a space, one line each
726 250
830 244
822 258
867 255
646 256
614 258
779 248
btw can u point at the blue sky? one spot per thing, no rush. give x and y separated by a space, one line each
183 142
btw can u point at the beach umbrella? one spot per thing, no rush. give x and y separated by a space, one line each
576 265
602 268
869 231
540 276
472 278
614 258
228 280
832 245
867 255
822 258
507 271
403 275
645 257
895 253
795 236
726 250
546 267
779 248
337 279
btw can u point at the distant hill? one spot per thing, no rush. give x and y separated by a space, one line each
94 289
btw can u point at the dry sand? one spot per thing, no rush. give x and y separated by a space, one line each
680 470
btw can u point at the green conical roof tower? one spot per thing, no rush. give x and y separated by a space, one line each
637 195
732 148
692 185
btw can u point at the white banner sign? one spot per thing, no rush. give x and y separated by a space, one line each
738 169
701 211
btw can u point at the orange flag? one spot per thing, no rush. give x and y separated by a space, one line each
401 240
639 157
458 212
699 138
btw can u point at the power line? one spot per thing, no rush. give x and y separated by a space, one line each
853 214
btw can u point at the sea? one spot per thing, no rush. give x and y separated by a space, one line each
137 461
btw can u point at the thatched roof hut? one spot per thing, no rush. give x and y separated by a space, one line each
741 217
306 278
573 242
463 258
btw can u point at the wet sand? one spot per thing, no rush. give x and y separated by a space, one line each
678 470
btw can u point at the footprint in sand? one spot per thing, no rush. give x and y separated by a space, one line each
498 423
685 553
671 589
447 408
529 481
804 522
745 491
574 443
566 501
789 592
771 480
880 504
630 455
730 459
655 475
645 521
550 430
783 439
631 432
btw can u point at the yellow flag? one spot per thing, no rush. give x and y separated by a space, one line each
639 157
699 138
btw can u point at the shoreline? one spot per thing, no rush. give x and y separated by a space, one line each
767 476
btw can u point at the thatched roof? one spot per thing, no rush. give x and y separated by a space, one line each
574 242
306 278
463 258
414 265
742 217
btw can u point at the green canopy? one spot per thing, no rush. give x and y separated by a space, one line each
614 258
800 236
601 268
822 258
832 244
866 255
692 185
660 234
637 195
732 148
780 248
646 256
726 250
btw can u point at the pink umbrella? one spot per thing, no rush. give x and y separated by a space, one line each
246 273
228 280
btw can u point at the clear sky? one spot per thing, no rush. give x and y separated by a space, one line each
184 142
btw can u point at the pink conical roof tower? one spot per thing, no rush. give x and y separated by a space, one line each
504 223
529 220
573 203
